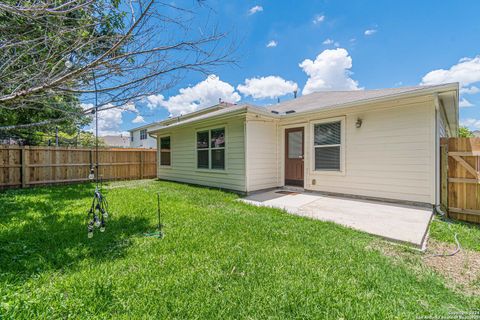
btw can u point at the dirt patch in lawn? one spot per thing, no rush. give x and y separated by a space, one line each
462 270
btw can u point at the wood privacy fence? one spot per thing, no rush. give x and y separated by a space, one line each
30 166
460 171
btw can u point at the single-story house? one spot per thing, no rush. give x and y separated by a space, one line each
381 144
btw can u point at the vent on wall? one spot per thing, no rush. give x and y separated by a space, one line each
314 182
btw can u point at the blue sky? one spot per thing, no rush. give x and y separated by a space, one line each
371 44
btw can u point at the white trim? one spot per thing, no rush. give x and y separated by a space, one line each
223 126
159 147
311 146
303 125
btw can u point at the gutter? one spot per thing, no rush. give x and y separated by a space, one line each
261 111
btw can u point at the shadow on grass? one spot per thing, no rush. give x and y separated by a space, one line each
45 229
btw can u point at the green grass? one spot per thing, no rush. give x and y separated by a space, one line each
444 230
219 259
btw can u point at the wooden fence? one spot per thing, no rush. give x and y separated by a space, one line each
30 166
460 171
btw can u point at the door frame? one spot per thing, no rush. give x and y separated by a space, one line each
282 151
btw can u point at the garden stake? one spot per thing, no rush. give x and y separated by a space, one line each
99 209
159 232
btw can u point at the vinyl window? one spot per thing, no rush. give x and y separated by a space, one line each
211 149
143 134
327 146
165 152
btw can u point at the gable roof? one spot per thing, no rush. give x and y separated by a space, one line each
317 101
335 99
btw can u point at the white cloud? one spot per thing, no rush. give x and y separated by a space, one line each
110 118
370 32
470 90
272 44
466 71
464 103
255 9
318 19
138 119
329 71
267 87
471 123
204 94
328 41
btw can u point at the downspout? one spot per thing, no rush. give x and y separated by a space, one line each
436 102
245 138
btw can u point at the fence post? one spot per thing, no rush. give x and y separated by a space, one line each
24 160
141 164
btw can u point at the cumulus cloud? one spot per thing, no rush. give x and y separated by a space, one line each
204 94
466 71
329 71
267 87
370 32
255 9
318 19
272 44
138 119
471 123
110 118
464 103
470 90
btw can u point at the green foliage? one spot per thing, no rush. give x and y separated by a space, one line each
464 132
219 259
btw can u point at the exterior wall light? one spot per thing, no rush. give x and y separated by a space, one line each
358 124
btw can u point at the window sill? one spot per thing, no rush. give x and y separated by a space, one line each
328 173
165 166
217 171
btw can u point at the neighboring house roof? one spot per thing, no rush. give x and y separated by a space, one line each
317 101
476 133
117 141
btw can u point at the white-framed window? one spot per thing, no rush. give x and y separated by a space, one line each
165 151
143 134
328 145
211 149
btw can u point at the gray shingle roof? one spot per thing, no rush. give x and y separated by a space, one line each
330 99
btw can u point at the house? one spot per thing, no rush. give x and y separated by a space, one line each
140 139
117 141
380 144
476 133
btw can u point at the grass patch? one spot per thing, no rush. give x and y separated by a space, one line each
220 259
444 230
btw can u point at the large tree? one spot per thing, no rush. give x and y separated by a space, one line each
54 54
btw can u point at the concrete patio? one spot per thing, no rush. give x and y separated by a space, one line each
401 223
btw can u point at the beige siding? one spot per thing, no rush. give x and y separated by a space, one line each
391 156
184 167
262 150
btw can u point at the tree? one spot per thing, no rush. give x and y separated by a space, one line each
115 52
464 132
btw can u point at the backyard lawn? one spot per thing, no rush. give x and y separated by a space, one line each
220 258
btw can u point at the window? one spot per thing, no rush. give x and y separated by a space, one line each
131 136
327 146
143 134
165 153
211 149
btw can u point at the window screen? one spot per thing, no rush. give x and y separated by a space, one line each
165 153
327 146
211 149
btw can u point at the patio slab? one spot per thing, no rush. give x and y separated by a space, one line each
402 223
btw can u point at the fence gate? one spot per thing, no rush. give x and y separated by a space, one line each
460 171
